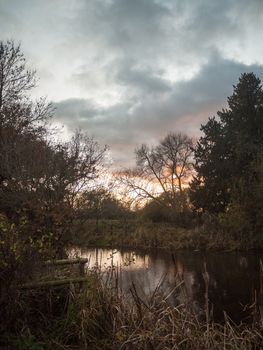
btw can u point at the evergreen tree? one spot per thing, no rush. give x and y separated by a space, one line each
226 154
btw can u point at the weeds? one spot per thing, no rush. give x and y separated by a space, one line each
101 316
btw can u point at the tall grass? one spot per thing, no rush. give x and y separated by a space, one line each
100 316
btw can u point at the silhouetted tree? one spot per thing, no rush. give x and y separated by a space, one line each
39 179
162 171
156 212
15 78
100 204
226 154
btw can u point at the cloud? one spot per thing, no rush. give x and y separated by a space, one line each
129 71
147 117
143 79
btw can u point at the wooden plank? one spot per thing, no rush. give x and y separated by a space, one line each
67 261
54 283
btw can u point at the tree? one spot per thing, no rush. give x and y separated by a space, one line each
156 212
22 131
15 79
161 170
98 204
209 189
231 144
39 179
84 161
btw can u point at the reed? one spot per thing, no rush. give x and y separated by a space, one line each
101 316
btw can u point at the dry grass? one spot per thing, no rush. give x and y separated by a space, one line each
101 316
140 234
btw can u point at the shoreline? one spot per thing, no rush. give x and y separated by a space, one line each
148 235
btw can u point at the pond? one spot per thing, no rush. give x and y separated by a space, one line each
229 281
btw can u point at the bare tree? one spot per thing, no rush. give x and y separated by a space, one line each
161 170
17 110
39 179
84 163
21 119
15 79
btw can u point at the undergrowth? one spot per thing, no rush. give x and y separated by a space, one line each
100 316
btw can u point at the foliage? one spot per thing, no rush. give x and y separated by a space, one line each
180 213
244 217
100 204
39 179
15 79
20 254
229 158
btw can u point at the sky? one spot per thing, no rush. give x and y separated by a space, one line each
128 72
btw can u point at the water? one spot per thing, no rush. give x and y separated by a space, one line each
232 280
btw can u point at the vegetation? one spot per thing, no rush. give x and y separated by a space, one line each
39 180
144 234
228 159
225 167
161 172
49 199
102 317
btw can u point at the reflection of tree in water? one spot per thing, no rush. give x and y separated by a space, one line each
234 283
188 284
231 279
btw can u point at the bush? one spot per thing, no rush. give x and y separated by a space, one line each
20 255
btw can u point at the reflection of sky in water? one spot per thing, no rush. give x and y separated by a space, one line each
105 258
231 277
143 270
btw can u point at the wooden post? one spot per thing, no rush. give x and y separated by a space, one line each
63 281
54 283
261 290
82 271
66 261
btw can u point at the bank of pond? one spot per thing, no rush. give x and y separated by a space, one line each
136 234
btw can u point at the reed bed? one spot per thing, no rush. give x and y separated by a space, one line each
101 316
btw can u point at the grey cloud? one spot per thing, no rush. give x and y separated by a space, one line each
151 29
137 68
125 23
149 117
135 39
73 109
142 78
197 99
105 123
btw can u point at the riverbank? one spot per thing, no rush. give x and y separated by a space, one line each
148 235
101 317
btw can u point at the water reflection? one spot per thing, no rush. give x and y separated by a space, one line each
104 258
228 280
